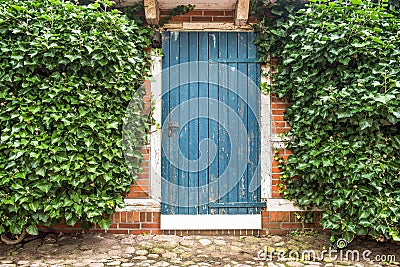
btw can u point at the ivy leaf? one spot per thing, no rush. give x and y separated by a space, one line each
384 98
103 62
376 39
365 124
18 8
395 235
91 124
358 45
45 188
396 114
34 206
276 12
89 141
72 57
364 214
376 83
339 202
89 49
32 230
17 155
113 125
104 223
348 236
41 172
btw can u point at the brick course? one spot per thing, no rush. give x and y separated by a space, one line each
134 222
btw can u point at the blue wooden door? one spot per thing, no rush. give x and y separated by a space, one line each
210 129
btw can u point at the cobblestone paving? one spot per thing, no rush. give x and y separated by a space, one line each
98 250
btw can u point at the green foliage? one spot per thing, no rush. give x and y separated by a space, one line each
271 29
339 64
67 75
135 12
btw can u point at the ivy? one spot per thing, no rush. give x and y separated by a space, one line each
339 65
272 16
67 75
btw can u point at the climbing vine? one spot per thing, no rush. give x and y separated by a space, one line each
338 63
67 75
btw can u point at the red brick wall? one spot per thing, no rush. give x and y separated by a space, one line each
282 222
279 126
141 188
278 107
135 222
123 222
276 181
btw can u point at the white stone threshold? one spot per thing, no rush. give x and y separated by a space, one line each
143 204
147 204
152 205
210 222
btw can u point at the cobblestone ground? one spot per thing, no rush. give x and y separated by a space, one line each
98 250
